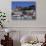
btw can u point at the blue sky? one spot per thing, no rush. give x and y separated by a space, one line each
22 4
23 0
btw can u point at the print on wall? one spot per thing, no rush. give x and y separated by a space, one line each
22 10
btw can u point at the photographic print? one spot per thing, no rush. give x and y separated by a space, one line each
23 10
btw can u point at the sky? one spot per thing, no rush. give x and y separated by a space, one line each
22 4
23 0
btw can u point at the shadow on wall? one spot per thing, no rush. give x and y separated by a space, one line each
16 43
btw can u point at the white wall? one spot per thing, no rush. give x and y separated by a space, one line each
32 25
5 5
